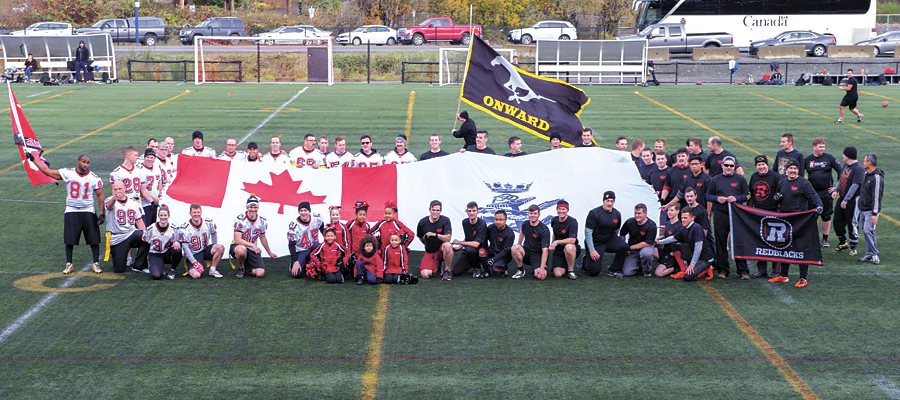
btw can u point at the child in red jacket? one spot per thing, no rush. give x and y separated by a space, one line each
342 237
328 258
369 267
395 259
391 225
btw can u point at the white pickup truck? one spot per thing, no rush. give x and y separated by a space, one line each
677 40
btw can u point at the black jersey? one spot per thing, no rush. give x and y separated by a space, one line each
798 195
852 173
605 224
818 170
519 154
700 183
730 185
676 178
781 160
476 232
658 179
565 230
714 162
853 93
474 149
693 234
639 233
499 240
701 217
537 237
441 227
763 189
430 154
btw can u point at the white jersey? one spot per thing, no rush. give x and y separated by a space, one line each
196 238
132 179
281 157
237 156
160 240
204 152
307 159
334 160
250 230
80 189
170 165
394 158
363 161
306 236
154 180
121 220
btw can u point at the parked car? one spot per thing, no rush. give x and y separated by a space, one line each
300 34
544 30
46 29
675 38
816 44
885 43
376 34
151 29
437 30
216 26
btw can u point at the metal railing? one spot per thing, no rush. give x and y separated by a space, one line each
887 19
183 70
692 72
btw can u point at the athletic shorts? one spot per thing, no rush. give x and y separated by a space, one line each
559 257
150 214
432 262
74 223
531 258
253 261
827 205
203 255
851 103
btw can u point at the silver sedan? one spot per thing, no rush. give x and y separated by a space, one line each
885 43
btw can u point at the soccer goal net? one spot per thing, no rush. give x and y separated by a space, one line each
254 59
452 63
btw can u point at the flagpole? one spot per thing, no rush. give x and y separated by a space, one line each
459 101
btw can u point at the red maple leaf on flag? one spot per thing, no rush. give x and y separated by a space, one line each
283 191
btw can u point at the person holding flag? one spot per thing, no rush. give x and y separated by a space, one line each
82 186
795 194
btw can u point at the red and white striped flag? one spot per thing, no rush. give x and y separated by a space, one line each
580 176
27 142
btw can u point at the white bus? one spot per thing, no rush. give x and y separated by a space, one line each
849 21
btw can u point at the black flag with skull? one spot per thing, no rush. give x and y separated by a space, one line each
541 106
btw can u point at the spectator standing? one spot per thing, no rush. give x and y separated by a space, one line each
786 153
435 143
852 175
515 147
467 130
870 206
82 56
726 188
818 167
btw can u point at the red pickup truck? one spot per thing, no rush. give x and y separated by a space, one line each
437 30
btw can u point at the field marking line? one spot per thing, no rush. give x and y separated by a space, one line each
98 130
38 94
880 95
764 347
789 105
781 294
409 114
13 327
376 340
272 115
32 201
698 123
40 100
752 150
887 386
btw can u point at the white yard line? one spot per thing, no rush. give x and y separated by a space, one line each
781 294
38 94
13 327
272 115
32 201
887 386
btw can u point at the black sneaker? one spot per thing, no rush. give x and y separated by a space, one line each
170 275
759 275
504 272
240 272
360 280
610 274
860 117
477 273
571 275
647 274
618 275
447 276
745 276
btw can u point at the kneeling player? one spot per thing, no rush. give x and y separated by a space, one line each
162 239
472 247
248 228
370 267
664 253
124 223
200 244
535 248
435 231
500 240
303 237
692 245
641 232
327 260
564 246
395 259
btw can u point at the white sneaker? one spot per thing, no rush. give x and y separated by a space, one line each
875 260
519 274
129 262
96 268
69 268
213 273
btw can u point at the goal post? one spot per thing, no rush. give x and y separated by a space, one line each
452 63
320 59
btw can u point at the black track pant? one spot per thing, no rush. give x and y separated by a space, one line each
615 245
804 269
844 222
722 228
157 262
119 252
465 259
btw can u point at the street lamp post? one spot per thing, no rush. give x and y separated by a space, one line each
137 24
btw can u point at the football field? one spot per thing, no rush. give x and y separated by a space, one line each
114 336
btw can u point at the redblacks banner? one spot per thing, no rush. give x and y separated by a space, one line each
779 237
494 182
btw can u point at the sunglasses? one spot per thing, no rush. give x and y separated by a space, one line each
728 165
365 142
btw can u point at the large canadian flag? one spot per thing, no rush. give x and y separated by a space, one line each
26 141
580 176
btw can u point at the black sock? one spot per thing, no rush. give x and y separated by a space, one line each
69 249
95 252
824 237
